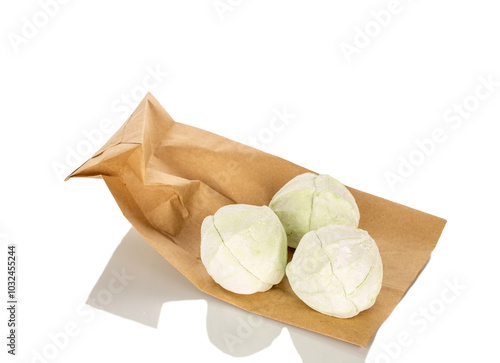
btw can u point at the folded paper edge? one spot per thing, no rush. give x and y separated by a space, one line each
141 111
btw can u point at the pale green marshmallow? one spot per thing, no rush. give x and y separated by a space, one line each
310 201
336 270
244 248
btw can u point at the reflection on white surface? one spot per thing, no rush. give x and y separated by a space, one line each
231 329
155 281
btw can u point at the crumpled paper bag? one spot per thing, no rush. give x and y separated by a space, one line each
167 177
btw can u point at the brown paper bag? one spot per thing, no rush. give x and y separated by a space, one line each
167 177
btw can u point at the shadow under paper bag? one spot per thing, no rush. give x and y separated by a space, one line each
149 281
167 177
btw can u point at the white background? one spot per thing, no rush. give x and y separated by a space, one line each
356 118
